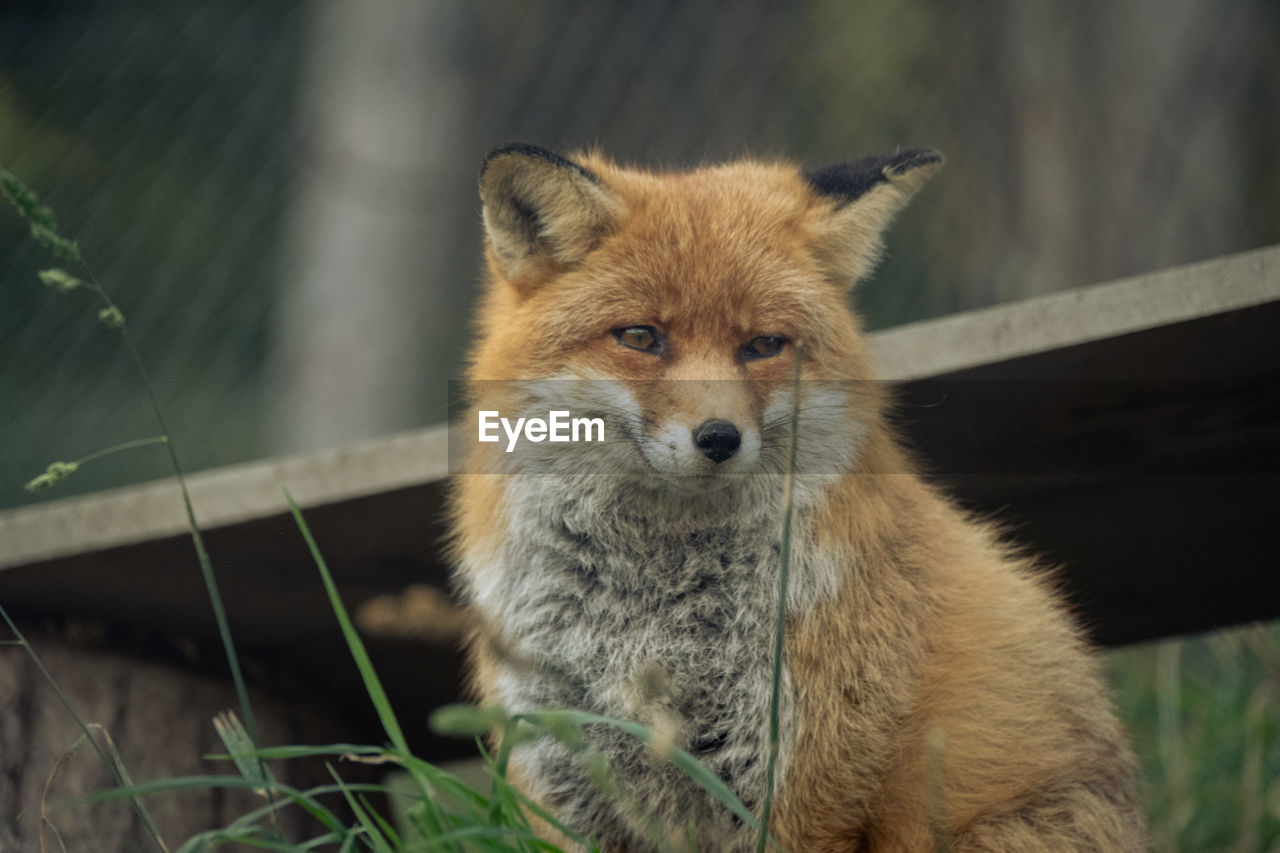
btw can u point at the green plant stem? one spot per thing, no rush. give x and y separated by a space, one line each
56 471
780 631
124 445
112 766
372 683
44 230
197 538
1169 724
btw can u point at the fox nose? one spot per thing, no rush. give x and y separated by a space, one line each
718 440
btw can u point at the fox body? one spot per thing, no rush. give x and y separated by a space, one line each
934 692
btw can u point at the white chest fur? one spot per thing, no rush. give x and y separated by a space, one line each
646 606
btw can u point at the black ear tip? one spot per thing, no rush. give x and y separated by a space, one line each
519 148
913 159
524 149
846 182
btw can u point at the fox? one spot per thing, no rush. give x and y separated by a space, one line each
935 690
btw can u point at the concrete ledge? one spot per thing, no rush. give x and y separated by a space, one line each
221 497
934 348
1078 316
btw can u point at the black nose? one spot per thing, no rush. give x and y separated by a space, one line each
718 440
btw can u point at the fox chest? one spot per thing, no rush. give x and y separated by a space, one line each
672 627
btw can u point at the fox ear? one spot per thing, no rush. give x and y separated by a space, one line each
540 208
862 198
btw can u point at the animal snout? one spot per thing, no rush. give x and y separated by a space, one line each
718 440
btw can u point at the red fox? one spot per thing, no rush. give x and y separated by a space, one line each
935 693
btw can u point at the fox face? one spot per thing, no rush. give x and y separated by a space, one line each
692 311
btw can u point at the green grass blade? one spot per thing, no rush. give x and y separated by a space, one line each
371 830
284 753
116 769
553 722
384 826
780 627
44 230
372 685
250 764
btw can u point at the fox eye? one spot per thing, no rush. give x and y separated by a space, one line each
643 338
763 346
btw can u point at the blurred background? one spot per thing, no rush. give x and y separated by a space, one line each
281 197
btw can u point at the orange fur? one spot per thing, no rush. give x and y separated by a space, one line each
943 699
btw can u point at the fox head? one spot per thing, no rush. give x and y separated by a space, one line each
695 304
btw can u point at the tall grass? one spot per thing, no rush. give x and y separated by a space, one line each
1204 716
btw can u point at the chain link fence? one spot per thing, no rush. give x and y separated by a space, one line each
281 195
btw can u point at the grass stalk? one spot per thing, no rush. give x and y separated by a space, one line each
45 231
1169 724
372 684
114 766
780 628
